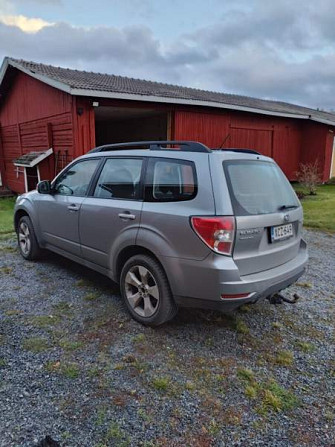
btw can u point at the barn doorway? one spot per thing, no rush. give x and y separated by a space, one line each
123 124
32 178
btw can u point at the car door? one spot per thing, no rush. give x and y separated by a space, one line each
58 213
110 216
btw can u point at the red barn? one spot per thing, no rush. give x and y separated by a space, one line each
51 115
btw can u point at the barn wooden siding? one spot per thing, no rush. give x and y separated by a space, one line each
35 117
290 142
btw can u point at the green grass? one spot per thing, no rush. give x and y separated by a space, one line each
279 399
45 321
70 370
305 346
6 215
284 358
35 344
161 383
319 210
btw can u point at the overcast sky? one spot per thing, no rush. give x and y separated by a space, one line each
283 49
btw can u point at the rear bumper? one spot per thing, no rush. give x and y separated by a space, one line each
201 283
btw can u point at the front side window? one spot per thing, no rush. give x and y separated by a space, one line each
76 180
119 179
170 180
258 187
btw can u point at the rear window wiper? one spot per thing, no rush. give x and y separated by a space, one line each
287 207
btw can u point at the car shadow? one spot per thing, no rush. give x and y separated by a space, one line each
185 316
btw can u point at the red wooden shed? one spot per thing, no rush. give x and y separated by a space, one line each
50 115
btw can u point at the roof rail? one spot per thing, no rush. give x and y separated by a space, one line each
243 151
187 146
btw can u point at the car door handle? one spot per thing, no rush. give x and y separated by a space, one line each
73 207
127 216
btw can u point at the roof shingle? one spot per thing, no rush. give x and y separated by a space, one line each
107 83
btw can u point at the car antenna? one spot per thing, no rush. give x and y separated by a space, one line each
223 142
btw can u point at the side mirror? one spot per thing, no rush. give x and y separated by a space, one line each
44 187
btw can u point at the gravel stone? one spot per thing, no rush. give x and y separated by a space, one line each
74 366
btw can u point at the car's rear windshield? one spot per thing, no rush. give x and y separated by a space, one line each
258 187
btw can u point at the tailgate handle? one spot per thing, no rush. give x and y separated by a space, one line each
127 215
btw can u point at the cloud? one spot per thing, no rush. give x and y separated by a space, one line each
283 50
26 24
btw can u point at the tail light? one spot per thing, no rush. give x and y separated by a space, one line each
218 233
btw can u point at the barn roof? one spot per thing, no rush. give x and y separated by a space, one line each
83 83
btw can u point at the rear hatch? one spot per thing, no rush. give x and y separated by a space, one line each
267 211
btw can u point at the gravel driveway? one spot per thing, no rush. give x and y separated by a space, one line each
74 366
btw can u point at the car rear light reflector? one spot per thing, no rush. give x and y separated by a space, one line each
218 232
238 295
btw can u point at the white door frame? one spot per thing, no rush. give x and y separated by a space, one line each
332 163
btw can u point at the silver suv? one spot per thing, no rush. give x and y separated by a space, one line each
175 223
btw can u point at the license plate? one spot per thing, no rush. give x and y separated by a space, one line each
281 232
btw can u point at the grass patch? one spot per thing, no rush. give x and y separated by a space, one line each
70 370
63 307
161 383
190 386
269 395
101 417
93 296
241 327
305 346
319 210
35 344
116 436
44 321
304 285
6 270
13 312
246 374
69 345
277 398
3 362
83 283
139 338
6 215
251 391
284 358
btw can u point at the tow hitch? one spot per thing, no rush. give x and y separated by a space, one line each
277 298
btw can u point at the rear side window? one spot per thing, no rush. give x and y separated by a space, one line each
170 180
119 179
258 187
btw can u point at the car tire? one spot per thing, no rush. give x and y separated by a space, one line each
146 291
26 239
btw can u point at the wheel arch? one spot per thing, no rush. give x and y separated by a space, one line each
17 216
130 251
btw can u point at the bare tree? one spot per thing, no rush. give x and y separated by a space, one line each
309 176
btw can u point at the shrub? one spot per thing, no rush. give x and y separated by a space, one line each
300 195
309 176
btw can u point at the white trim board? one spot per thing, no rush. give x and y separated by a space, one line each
332 163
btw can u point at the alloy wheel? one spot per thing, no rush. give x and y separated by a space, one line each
24 238
142 291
